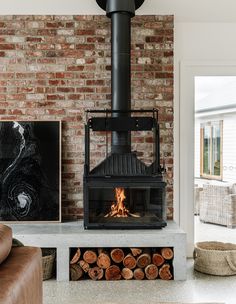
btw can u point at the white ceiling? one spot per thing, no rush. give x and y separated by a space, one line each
215 91
184 10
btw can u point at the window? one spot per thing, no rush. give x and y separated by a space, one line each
211 149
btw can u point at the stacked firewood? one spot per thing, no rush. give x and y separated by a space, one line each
120 263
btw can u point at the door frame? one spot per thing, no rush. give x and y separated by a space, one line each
188 71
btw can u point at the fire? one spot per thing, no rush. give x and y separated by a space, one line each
118 208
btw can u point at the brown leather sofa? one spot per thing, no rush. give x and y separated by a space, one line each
20 271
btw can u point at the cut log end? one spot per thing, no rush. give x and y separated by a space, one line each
167 253
96 273
117 255
165 273
84 265
144 260
103 260
113 273
129 262
127 273
136 251
157 259
151 272
139 274
90 256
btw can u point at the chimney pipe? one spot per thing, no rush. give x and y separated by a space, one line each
120 12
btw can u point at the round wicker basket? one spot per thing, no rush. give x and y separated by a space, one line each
48 259
215 258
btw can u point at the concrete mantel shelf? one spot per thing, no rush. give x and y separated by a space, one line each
64 236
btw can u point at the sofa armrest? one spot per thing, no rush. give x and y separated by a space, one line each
5 242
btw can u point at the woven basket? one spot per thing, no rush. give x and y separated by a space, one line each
48 258
215 258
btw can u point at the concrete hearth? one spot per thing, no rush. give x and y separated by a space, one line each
64 236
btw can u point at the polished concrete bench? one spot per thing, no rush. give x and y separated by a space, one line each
64 236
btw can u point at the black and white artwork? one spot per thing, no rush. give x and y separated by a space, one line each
30 171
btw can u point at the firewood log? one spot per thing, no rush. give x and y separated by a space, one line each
151 272
90 256
117 255
127 273
84 265
76 272
136 251
103 260
113 273
139 274
144 259
157 259
76 257
95 273
129 261
164 272
167 253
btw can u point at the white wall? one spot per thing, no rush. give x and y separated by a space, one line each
184 10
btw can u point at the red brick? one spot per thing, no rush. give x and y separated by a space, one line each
83 51
95 82
55 97
7 46
89 47
65 90
75 68
85 32
34 39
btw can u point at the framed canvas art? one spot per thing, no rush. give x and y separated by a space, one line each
30 188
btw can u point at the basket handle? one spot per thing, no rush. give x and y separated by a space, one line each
231 265
194 254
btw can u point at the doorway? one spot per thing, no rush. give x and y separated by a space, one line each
188 72
215 158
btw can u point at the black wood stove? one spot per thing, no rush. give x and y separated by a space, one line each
122 192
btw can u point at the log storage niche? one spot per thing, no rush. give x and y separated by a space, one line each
121 263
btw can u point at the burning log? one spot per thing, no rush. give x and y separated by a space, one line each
165 273
139 274
127 273
76 257
118 208
95 273
103 260
84 265
157 259
167 253
76 272
136 251
90 256
144 259
117 255
129 261
113 273
151 272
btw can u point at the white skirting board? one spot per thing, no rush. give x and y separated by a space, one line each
64 236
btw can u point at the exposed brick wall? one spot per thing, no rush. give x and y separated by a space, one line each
56 67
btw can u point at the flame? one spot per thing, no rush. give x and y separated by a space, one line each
118 208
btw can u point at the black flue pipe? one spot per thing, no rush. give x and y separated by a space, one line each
120 12
120 77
